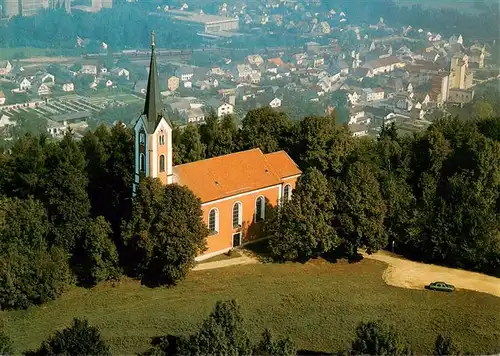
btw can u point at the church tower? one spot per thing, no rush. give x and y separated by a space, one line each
153 133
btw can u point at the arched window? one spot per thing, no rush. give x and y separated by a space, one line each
162 163
161 139
142 162
237 218
260 209
213 221
287 192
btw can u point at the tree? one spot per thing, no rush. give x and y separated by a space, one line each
218 136
30 271
268 347
444 346
78 339
361 210
319 142
222 333
377 338
483 110
191 148
303 227
96 257
165 234
65 194
264 128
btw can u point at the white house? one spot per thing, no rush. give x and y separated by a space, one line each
188 84
275 103
6 121
353 97
244 70
67 87
185 73
369 95
358 130
5 67
255 59
88 69
43 89
225 109
47 78
25 84
104 70
121 72
2 98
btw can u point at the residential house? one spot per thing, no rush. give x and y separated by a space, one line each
188 84
255 59
88 69
68 87
109 83
185 73
173 83
121 72
353 97
2 98
25 84
43 90
275 103
5 67
278 62
357 115
103 70
217 71
220 107
384 65
244 71
5 121
369 95
254 77
358 130
140 86
195 115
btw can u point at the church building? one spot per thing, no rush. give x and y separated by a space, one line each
234 189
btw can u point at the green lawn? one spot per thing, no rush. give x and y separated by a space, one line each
317 304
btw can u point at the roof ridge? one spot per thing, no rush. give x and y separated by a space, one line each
218 157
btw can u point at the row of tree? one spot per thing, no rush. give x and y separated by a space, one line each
223 333
435 195
66 212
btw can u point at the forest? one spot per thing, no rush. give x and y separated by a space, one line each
67 215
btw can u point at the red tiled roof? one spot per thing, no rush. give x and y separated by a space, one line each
283 164
235 173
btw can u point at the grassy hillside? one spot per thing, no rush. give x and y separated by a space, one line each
318 304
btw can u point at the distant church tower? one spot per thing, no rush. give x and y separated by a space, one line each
153 133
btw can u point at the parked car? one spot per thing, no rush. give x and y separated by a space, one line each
441 286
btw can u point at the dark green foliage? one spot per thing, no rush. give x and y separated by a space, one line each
303 226
377 338
6 348
30 272
444 346
190 147
218 136
269 347
321 143
79 339
222 333
165 233
266 129
65 193
361 210
96 258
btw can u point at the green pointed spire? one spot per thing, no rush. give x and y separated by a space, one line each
153 105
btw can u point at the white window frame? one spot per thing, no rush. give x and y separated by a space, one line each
142 162
287 197
216 230
164 163
142 138
240 215
262 206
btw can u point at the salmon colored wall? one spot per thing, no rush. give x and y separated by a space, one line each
161 150
250 230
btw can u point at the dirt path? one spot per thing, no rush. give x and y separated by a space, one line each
415 275
243 260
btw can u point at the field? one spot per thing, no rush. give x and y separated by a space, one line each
317 304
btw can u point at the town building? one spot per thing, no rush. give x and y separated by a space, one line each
460 75
2 98
206 23
5 67
173 83
235 189
369 95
